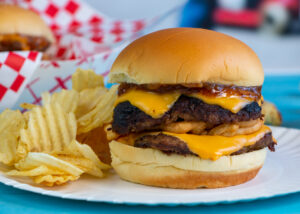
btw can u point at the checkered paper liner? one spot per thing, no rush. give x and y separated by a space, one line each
55 76
85 38
16 69
80 30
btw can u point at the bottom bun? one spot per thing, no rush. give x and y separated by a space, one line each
154 168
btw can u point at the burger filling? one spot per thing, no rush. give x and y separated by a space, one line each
19 42
170 144
208 120
203 88
128 118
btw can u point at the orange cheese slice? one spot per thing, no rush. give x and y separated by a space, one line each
213 147
155 104
234 104
151 103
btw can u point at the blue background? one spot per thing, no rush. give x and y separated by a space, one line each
284 91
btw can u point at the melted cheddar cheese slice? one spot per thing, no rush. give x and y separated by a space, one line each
234 104
213 147
155 104
151 103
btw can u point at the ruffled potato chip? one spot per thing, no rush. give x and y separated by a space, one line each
84 157
88 100
55 165
84 164
53 131
41 143
46 169
32 171
98 141
68 99
27 106
83 150
101 114
84 79
52 180
50 129
11 122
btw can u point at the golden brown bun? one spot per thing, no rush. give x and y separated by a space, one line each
16 20
187 55
155 168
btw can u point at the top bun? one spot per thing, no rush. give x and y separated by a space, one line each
17 20
187 55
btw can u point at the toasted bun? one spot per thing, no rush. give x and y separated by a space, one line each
187 55
154 168
16 20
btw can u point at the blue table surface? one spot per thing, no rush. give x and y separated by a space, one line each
284 91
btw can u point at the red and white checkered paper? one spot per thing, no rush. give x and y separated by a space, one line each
85 37
81 31
16 68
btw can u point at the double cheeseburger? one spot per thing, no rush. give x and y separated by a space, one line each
22 29
188 112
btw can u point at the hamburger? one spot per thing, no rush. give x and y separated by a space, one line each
22 30
188 112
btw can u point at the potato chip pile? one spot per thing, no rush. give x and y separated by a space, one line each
52 143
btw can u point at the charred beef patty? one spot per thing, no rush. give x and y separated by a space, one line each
128 118
169 144
26 42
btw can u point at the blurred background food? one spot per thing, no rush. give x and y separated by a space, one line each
271 113
22 29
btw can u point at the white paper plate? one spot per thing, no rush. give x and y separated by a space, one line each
279 176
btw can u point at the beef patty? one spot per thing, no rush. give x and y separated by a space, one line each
128 118
170 144
36 43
